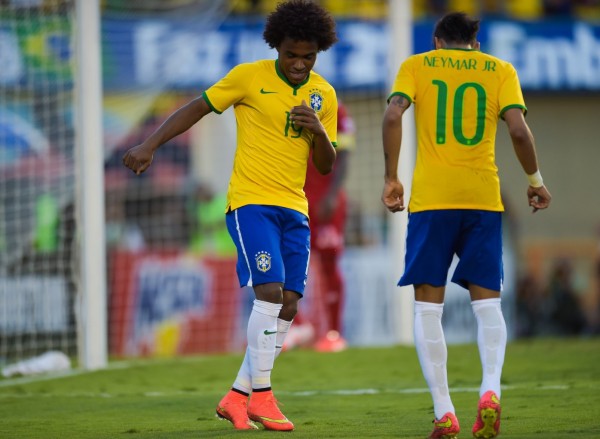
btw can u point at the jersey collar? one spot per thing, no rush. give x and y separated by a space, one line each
464 49
284 79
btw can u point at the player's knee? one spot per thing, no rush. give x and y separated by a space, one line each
288 311
290 305
270 292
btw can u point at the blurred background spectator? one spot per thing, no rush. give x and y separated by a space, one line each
209 234
565 316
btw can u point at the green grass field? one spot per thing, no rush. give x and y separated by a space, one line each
551 390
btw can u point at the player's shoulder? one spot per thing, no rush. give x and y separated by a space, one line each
245 74
317 80
418 57
254 66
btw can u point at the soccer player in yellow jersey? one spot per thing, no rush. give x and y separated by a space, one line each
284 111
455 207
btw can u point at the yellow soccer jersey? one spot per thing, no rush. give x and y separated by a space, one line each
459 97
270 161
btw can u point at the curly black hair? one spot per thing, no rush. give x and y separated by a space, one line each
300 20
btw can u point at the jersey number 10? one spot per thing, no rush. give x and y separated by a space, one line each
458 111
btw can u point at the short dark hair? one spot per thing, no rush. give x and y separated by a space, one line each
457 27
300 20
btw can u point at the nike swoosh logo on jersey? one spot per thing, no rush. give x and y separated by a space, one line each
265 92
267 332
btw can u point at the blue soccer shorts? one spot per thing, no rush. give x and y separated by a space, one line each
273 245
434 236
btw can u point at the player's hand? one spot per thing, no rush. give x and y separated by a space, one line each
138 158
305 117
393 196
539 197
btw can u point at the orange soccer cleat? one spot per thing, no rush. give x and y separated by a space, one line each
233 407
445 428
263 408
487 424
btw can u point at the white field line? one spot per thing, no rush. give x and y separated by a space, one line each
9 382
341 392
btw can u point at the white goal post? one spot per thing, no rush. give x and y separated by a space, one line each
92 306
400 48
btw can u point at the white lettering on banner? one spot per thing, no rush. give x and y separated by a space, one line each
589 55
366 62
164 55
193 58
10 58
147 54
33 304
251 47
544 62
326 64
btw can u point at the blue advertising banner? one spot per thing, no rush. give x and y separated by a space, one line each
549 56
142 53
161 53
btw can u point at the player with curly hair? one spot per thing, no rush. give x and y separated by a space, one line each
285 113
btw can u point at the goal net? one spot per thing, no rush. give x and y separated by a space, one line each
37 191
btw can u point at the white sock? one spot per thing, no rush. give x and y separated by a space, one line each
491 340
283 326
262 332
433 354
243 380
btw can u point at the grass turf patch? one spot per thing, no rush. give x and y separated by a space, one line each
550 388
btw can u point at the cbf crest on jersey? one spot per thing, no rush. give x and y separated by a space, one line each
263 261
316 100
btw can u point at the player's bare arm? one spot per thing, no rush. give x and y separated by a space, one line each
323 153
139 158
523 143
522 139
393 190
